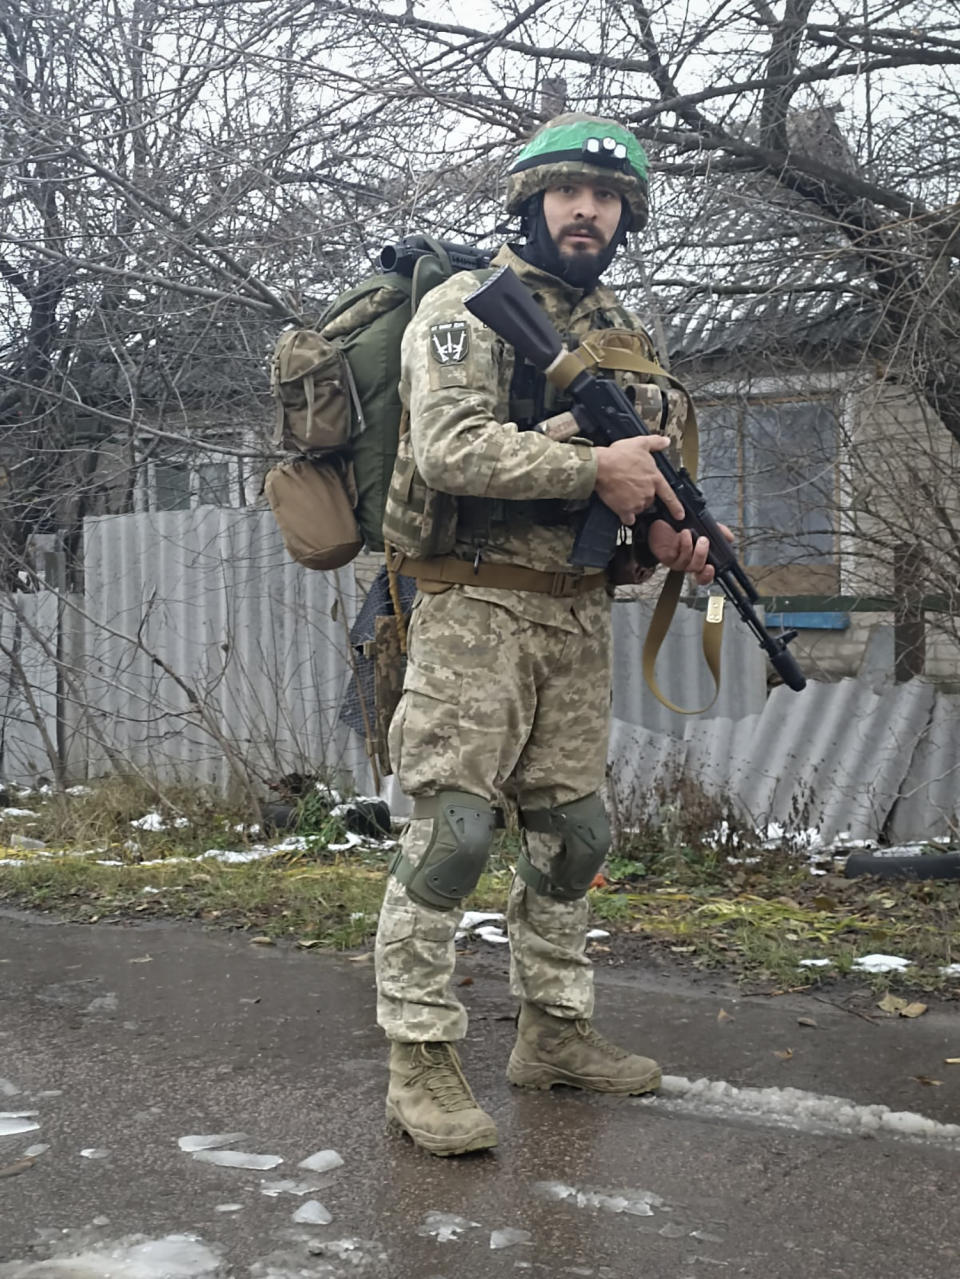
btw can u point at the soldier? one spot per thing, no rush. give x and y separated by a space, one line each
507 689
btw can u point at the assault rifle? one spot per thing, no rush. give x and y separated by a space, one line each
507 307
402 256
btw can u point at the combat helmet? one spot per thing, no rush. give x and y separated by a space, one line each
577 145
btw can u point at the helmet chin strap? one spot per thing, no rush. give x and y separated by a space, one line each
582 270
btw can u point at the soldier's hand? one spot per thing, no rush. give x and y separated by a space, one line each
680 552
628 479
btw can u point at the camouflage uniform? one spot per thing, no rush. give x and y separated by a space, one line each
506 692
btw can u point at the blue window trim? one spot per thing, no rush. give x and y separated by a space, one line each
810 621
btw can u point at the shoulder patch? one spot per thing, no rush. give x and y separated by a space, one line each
450 342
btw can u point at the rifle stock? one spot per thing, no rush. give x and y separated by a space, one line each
506 306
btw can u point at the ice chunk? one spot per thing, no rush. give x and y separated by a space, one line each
508 1237
14 1122
951 970
312 1213
287 1187
237 1159
596 933
445 1227
95 1152
814 963
34 1152
107 1003
322 1161
636 1203
173 1257
8 1088
349 1250
210 1141
17 812
228 1208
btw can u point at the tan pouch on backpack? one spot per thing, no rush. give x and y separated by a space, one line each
310 381
312 500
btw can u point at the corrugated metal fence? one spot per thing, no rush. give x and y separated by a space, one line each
199 651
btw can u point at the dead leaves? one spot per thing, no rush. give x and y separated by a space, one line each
897 1007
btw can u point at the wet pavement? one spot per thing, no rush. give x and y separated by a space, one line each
117 1043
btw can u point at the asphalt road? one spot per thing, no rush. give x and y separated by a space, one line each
117 1041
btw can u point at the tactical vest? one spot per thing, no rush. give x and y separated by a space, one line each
532 400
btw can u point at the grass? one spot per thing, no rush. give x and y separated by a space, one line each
759 920
667 890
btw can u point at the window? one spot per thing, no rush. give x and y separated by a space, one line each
768 469
173 484
213 484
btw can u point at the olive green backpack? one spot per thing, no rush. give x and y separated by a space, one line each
338 412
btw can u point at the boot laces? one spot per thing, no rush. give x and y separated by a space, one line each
592 1037
439 1072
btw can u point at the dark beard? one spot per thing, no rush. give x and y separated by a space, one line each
580 269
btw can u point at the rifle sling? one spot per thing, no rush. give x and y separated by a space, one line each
657 631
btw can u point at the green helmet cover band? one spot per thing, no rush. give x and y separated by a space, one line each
571 137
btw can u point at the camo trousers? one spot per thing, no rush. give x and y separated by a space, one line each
495 703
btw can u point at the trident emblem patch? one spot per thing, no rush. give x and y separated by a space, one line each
449 343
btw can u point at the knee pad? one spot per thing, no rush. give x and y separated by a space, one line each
584 828
449 870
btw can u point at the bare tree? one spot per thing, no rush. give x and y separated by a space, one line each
178 182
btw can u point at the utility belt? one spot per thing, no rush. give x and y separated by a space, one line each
437 574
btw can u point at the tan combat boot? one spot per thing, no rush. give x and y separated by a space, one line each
430 1099
552 1050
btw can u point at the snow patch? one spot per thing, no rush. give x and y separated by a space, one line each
880 964
820 1114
